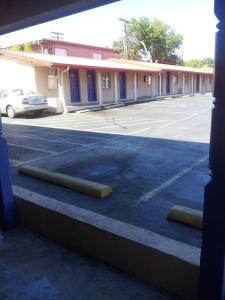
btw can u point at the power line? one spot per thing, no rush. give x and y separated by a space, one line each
57 35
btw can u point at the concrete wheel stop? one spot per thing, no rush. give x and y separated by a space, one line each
81 185
186 216
164 262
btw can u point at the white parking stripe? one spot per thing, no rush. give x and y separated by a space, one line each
56 154
146 128
187 118
81 121
15 162
124 125
43 139
170 181
31 148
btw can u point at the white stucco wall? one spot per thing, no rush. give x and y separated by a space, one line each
16 75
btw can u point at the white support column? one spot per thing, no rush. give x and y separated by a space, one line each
61 90
183 83
135 86
192 83
160 84
208 83
173 84
116 90
99 87
200 83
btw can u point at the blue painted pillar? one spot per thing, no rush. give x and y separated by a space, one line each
7 205
212 269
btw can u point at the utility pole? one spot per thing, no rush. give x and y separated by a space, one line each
125 37
57 35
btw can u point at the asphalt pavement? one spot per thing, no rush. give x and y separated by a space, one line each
153 154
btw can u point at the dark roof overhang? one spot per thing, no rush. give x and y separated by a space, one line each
16 14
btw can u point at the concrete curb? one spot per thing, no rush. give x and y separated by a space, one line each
130 102
97 108
185 215
78 184
169 264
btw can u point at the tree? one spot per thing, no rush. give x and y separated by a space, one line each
15 48
206 62
27 47
159 39
24 47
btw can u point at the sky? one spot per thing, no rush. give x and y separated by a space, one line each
194 19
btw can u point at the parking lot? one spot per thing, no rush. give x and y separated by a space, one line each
153 154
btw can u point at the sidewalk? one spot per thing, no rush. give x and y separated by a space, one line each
33 268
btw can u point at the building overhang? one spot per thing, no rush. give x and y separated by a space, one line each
168 68
15 15
37 59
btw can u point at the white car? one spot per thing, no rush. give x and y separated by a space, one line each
18 101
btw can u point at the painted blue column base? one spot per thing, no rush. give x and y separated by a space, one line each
7 204
212 280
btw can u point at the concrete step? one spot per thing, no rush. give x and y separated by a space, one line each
159 260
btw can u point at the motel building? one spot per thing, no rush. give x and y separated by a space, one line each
72 75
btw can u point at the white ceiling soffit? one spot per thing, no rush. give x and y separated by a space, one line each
18 14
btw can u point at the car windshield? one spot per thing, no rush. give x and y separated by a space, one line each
20 92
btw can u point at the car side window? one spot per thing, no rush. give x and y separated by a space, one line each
4 94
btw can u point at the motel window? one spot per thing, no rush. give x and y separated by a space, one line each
4 94
97 56
60 51
52 79
106 80
148 79
47 50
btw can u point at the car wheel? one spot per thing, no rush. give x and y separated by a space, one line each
11 112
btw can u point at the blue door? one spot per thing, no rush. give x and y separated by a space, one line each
91 85
122 85
197 83
168 83
74 85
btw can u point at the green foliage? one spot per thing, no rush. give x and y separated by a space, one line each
206 62
158 38
15 48
27 47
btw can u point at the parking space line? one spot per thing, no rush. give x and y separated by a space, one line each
31 148
14 161
88 137
120 126
146 128
83 120
187 118
170 181
86 124
105 121
56 154
44 139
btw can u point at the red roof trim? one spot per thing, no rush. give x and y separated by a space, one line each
62 42
103 68
113 68
63 65
17 55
